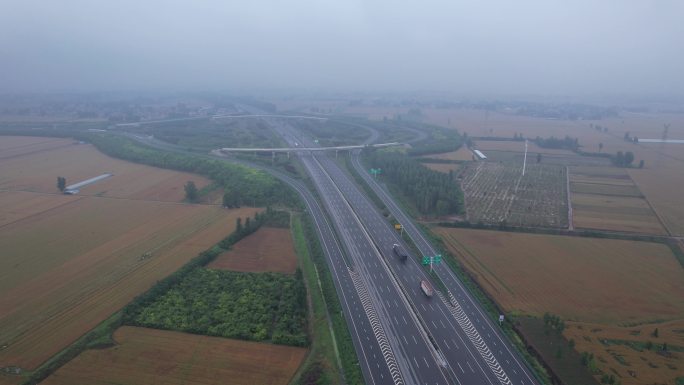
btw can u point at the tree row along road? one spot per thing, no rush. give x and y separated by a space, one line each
484 334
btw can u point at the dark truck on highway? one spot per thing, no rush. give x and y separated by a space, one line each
400 252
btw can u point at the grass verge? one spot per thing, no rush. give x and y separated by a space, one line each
332 344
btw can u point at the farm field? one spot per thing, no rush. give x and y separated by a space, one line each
550 159
662 182
36 162
69 262
584 279
496 192
519 146
268 249
148 356
633 353
605 198
94 255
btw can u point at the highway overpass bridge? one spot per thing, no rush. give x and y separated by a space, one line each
298 149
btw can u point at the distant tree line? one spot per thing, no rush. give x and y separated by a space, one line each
625 159
432 192
566 143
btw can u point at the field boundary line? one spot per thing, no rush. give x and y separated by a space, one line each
42 212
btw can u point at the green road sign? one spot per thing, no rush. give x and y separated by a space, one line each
426 260
438 258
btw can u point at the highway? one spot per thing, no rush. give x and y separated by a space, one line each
464 336
409 346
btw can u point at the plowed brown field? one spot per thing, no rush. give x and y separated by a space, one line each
268 249
148 356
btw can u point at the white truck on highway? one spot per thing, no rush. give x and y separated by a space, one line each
426 288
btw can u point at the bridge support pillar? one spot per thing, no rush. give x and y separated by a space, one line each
336 154
272 157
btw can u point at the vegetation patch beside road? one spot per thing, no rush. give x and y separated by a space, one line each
249 306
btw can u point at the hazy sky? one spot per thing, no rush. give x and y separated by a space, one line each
507 46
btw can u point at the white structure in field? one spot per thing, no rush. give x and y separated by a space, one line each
74 188
480 154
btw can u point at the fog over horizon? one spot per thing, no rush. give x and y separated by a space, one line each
486 47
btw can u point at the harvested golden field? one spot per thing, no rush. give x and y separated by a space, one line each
618 213
584 279
148 356
18 205
606 198
268 249
662 184
633 353
600 175
443 167
65 270
35 164
69 262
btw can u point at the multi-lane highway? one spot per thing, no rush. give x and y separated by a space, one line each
469 343
464 355
383 300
